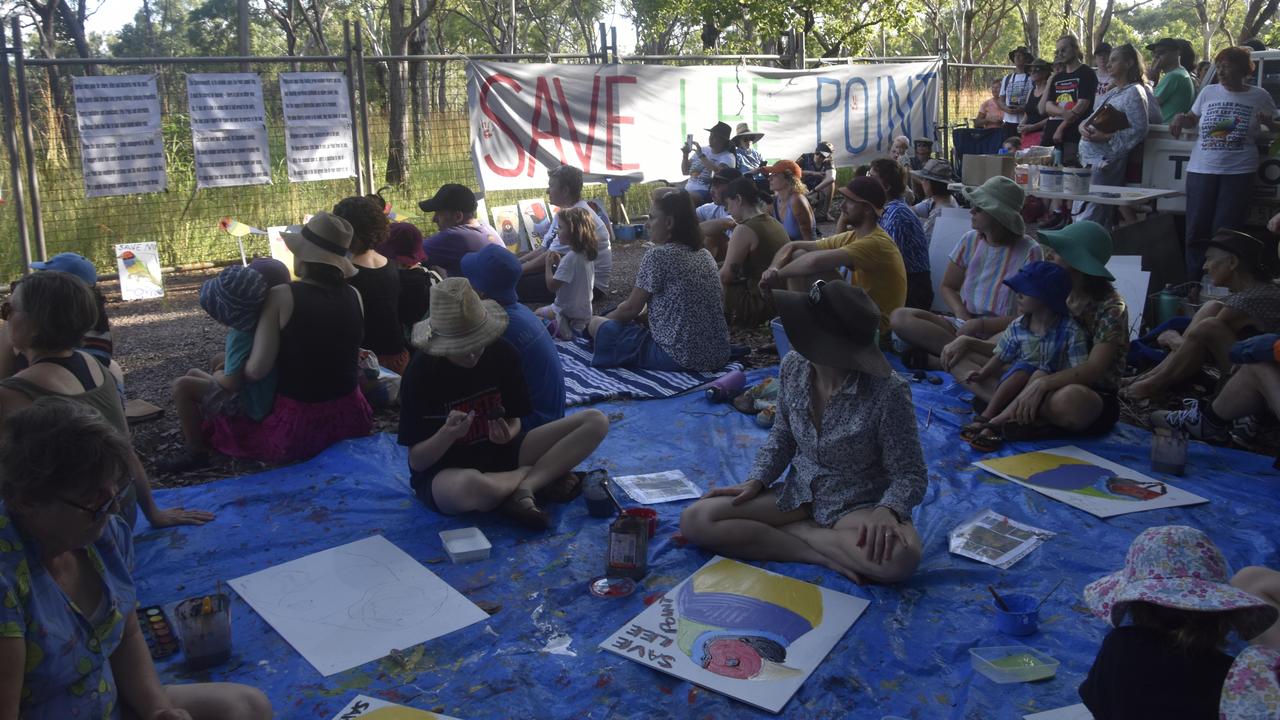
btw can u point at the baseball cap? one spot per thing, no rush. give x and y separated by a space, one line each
69 262
451 196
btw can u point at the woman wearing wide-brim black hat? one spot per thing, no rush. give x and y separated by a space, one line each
846 427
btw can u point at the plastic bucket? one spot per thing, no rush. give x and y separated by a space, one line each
1022 617
1050 179
1077 180
780 337
624 233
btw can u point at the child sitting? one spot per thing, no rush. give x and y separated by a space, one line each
1168 662
572 276
233 298
900 151
1045 339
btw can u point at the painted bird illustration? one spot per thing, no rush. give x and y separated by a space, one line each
136 268
1224 127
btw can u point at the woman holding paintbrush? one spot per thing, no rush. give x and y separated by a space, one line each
70 645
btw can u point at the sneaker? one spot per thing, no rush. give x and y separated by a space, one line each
1189 420
1244 431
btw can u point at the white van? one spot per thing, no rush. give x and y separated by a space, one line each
1164 159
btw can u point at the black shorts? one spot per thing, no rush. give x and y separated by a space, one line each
1106 419
499 458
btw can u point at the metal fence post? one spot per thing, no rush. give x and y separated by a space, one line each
364 109
351 101
11 146
28 142
946 104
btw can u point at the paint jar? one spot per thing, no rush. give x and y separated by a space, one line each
1050 179
596 494
627 554
1022 617
204 623
649 515
1076 181
1168 451
727 386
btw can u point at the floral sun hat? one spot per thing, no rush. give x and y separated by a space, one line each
1179 567
1252 689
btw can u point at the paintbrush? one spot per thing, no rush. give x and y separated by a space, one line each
608 488
1051 592
999 600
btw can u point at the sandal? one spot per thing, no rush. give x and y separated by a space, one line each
522 508
973 429
988 440
566 489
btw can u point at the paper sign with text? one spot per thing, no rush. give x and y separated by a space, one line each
116 105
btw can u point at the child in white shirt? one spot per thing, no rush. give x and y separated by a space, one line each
572 275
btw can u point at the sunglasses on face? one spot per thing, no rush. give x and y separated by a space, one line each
6 310
103 509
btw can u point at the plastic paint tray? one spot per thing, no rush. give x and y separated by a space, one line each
465 545
1013 663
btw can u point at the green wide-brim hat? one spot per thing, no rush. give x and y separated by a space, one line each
1002 199
1085 245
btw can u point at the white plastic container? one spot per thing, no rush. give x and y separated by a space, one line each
1076 181
1049 179
1012 663
465 545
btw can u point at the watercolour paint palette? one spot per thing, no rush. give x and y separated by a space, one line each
735 629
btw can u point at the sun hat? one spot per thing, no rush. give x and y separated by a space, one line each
1179 567
494 271
234 297
834 324
743 132
1001 198
69 262
724 176
824 148
783 167
922 141
937 170
451 196
1165 44
1252 688
1084 244
1040 64
460 322
867 190
403 244
325 239
1255 248
271 270
1044 281
722 129
1020 49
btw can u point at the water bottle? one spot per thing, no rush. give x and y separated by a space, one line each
727 387
1167 304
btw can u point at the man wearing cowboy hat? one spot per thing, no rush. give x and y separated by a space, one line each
1015 88
700 163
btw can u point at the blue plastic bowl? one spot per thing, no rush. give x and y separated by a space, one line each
1022 618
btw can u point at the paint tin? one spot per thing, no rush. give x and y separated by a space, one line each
596 494
1168 451
1077 181
612 587
649 515
1050 179
1022 617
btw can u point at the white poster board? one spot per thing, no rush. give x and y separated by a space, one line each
348 605
116 105
319 153
139 268
223 101
735 629
950 226
227 158
280 251
315 98
1088 482
123 164
1132 283
364 707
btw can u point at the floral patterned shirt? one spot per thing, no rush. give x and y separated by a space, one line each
686 305
1104 321
68 666
866 453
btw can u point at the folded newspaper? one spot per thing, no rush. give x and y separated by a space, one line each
994 539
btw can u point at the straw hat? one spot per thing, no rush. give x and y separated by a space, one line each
1252 688
325 239
743 132
1002 199
1084 244
834 324
460 322
1179 567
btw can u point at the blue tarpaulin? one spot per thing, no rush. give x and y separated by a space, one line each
908 655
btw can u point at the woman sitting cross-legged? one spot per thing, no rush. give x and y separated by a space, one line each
70 645
461 401
847 428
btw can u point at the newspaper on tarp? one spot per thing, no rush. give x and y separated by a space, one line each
994 539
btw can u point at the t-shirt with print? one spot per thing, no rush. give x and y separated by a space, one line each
686 308
1175 91
433 387
1229 129
255 396
1067 89
877 268
1014 88
573 299
985 269
1104 321
1261 303
68 670
446 248
700 172
900 221
604 251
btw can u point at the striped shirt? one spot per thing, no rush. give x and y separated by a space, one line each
985 268
900 221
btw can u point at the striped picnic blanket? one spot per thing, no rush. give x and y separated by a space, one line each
584 384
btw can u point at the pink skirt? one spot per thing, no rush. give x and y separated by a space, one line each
293 431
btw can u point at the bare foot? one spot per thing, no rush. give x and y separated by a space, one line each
1141 390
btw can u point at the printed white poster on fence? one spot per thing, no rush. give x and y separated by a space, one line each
221 101
314 98
632 120
139 268
319 153
123 164
231 157
116 105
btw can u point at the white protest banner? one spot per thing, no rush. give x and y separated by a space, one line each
632 120
231 157
222 101
123 164
116 105
314 98
319 153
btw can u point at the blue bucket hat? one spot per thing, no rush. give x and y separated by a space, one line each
494 272
235 297
1045 282
69 262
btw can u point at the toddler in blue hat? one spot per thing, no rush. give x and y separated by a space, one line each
1044 339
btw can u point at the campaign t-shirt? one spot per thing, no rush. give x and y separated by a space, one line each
432 387
1229 128
1069 88
573 299
446 248
1015 88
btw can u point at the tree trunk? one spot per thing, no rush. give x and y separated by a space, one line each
1091 38
1256 17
